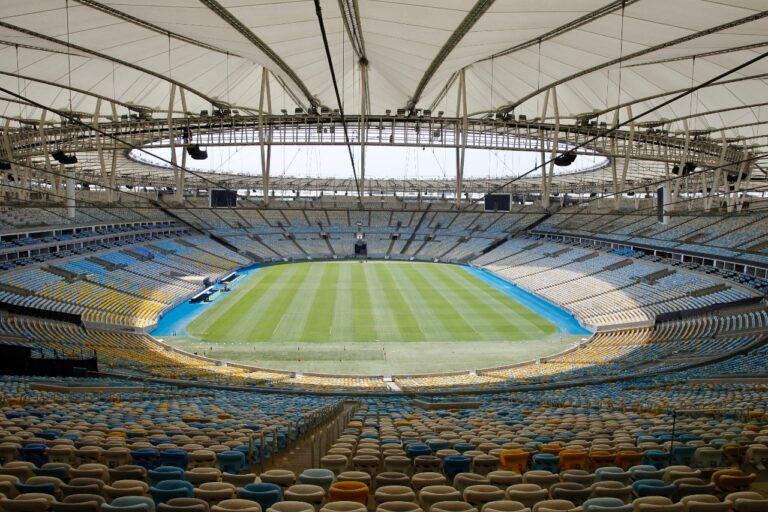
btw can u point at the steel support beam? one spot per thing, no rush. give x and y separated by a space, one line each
713 190
645 51
677 186
265 133
462 128
619 187
223 13
363 130
543 155
742 194
547 181
474 14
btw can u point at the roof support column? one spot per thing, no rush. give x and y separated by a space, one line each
462 127
749 164
18 189
265 135
555 143
53 179
732 198
182 171
114 192
363 130
614 171
70 184
710 192
544 181
677 185
100 152
171 137
618 189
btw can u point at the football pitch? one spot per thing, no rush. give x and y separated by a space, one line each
366 302
377 317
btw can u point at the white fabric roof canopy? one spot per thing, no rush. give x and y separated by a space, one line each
204 46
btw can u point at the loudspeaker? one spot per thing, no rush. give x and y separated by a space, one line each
63 158
565 159
196 153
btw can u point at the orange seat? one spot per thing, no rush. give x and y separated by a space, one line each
573 459
349 491
625 459
553 449
732 480
601 459
514 460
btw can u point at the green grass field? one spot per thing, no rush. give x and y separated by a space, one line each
380 317
376 301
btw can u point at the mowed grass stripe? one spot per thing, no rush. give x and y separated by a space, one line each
533 321
362 311
448 322
231 318
204 322
387 327
341 326
490 320
494 309
348 301
400 313
261 315
293 322
317 326
414 303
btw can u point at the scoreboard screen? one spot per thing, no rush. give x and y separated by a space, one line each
220 198
497 202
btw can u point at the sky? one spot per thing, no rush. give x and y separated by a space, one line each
381 162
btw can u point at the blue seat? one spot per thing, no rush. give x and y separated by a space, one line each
129 504
437 444
656 458
264 494
162 473
148 458
463 447
231 461
169 489
174 457
55 469
653 487
644 472
547 462
49 434
455 464
46 488
317 476
415 449
34 453
606 504
612 473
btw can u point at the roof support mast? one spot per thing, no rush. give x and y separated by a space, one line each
618 188
544 191
363 131
265 133
461 135
54 179
547 180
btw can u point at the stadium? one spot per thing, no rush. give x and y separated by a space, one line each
367 255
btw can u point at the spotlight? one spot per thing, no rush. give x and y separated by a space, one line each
565 159
63 158
196 153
